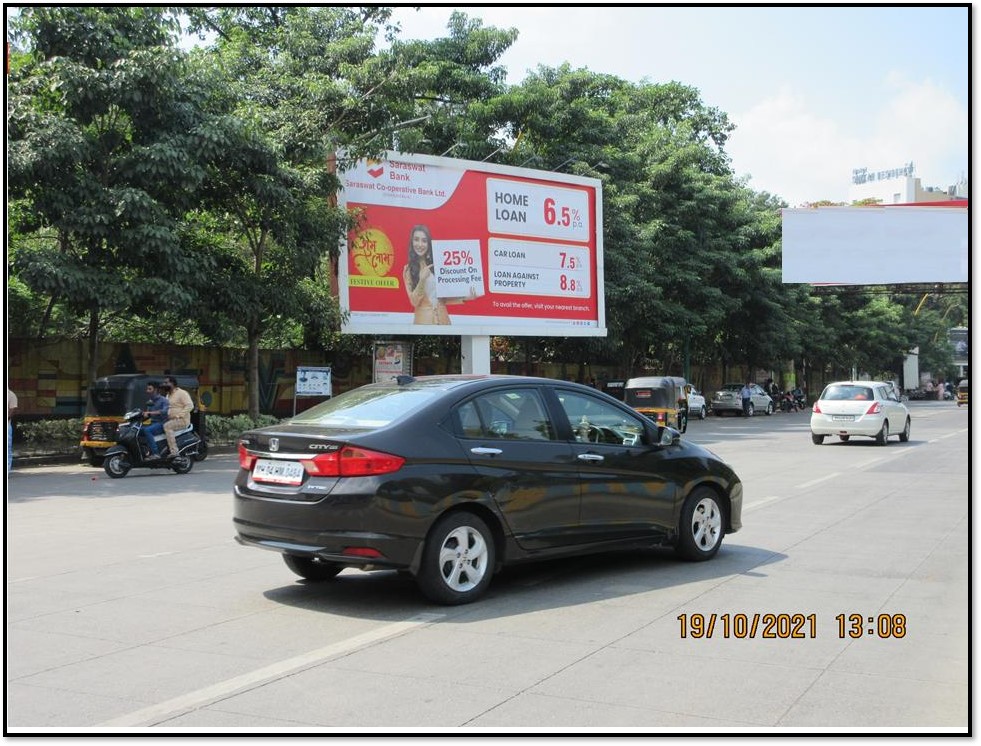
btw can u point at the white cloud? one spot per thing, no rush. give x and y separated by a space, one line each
779 142
930 126
802 155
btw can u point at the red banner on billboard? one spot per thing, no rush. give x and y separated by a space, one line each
446 246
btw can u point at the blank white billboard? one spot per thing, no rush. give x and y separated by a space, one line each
875 245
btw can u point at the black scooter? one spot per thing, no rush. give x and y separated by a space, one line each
131 449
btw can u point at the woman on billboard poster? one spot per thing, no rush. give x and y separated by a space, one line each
420 282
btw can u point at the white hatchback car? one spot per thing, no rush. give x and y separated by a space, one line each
863 408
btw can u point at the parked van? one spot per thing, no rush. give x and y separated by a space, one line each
661 398
110 397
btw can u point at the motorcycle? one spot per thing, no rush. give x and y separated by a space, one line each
131 449
789 403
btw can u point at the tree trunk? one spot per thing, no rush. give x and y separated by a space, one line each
253 373
93 344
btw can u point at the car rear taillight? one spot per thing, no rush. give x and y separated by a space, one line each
362 552
245 459
874 409
816 409
352 461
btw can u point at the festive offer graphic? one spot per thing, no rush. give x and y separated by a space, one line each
373 257
446 246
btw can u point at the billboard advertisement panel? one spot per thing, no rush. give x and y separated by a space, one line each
447 246
885 245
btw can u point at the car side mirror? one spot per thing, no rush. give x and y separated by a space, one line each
666 436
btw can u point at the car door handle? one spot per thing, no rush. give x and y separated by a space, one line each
589 457
482 451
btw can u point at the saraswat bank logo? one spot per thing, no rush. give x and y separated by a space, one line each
375 168
373 257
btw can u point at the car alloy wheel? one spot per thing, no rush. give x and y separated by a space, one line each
702 413
458 560
702 526
883 437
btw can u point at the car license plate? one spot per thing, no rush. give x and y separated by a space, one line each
278 472
843 418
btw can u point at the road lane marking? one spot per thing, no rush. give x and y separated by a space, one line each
193 700
825 478
765 501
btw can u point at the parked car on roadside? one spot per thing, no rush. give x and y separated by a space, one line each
453 477
868 409
696 403
729 399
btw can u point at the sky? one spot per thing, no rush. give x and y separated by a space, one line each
814 92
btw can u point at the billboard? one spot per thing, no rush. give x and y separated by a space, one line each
447 246
875 245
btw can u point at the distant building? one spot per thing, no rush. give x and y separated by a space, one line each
899 186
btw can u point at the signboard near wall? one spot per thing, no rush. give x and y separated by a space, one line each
313 381
447 246
392 359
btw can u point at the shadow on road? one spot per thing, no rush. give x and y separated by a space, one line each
523 589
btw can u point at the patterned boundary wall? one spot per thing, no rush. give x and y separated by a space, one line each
50 378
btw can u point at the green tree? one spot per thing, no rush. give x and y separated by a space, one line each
104 156
305 82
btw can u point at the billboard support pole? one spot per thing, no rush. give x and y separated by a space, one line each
475 354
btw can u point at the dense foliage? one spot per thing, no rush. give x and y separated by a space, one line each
164 194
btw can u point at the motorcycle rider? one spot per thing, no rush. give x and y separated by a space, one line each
798 395
178 414
156 409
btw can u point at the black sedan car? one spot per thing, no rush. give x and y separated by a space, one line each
453 477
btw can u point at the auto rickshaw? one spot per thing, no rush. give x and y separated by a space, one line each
110 397
661 398
962 392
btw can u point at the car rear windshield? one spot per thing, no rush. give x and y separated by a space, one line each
650 397
367 407
106 402
841 393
